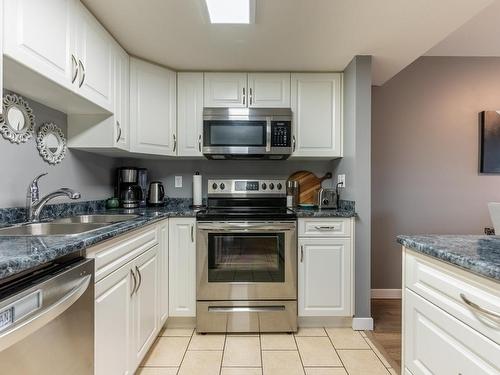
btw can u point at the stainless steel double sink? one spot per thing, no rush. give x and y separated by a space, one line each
68 226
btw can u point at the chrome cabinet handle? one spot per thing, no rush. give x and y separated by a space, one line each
119 131
192 233
175 143
301 253
482 310
251 96
244 96
135 282
325 227
75 68
83 75
293 143
140 278
199 142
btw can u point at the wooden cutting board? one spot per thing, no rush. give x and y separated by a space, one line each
309 185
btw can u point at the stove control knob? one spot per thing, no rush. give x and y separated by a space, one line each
264 186
214 186
222 186
271 186
279 186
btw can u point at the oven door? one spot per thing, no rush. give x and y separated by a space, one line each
236 137
246 260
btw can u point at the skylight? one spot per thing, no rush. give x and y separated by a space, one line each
230 11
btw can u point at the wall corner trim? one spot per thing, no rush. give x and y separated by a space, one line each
386 293
362 324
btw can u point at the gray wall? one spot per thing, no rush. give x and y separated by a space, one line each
88 173
356 166
425 155
166 170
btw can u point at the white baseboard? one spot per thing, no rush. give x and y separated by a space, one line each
386 293
362 324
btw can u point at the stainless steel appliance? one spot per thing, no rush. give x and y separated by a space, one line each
327 198
247 133
47 321
128 190
156 193
246 258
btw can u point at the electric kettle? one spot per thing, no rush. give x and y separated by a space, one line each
156 194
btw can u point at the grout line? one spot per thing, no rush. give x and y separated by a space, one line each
337 352
223 352
185 351
298 351
260 351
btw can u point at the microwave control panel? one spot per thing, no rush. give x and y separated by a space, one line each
281 133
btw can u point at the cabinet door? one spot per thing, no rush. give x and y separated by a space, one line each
182 267
1 51
325 277
226 90
146 304
38 35
152 109
270 90
189 113
316 106
121 102
113 323
163 267
437 343
94 49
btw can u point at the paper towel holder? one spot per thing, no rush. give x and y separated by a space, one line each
197 206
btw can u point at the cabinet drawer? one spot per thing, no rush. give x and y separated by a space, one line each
113 254
437 343
324 227
443 286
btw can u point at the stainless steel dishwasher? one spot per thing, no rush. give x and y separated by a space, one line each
47 321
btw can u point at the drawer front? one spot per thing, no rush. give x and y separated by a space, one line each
324 227
437 343
111 256
444 288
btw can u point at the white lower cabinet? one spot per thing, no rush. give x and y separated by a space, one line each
129 300
182 267
325 277
441 333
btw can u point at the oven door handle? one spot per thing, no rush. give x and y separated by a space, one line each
231 309
225 227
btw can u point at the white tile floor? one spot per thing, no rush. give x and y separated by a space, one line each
311 351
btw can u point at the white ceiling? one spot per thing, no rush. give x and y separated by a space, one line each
478 37
289 35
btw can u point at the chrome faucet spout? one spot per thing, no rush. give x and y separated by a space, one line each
34 204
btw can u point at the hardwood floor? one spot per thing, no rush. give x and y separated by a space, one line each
387 329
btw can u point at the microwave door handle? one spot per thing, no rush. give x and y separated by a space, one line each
268 133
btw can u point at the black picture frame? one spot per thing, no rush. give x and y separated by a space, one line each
489 142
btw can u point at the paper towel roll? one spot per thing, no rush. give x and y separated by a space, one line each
197 180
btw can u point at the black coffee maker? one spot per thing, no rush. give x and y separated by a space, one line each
127 187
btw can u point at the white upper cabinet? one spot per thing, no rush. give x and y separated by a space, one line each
95 58
269 90
226 90
189 113
1 51
38 34
152 109
317 114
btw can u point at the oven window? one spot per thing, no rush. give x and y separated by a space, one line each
236 133
246 257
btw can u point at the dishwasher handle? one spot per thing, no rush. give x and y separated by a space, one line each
19 331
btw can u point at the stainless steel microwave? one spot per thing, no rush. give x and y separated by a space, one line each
247 133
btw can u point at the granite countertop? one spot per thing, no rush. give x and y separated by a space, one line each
478 254
18 254
316 212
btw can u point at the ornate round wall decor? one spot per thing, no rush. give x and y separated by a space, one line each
17 120
51 143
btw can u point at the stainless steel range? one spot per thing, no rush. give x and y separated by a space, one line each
246 259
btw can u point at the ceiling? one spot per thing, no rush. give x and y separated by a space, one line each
477 37
289 35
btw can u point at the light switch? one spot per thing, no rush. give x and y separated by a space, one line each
178 181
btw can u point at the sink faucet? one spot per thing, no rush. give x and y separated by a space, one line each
34 204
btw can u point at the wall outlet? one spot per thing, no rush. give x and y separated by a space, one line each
341 180
178 181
